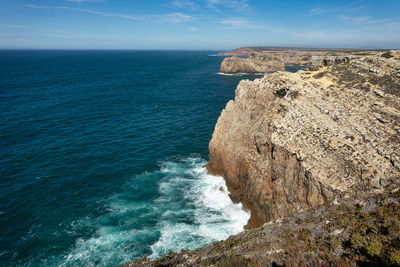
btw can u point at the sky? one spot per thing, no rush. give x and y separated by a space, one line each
198 24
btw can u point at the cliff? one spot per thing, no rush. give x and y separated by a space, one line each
271 59
292 141
255 63
320 149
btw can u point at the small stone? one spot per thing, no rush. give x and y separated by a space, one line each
379 93
337 231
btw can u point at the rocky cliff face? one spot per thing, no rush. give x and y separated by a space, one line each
289 142
255 63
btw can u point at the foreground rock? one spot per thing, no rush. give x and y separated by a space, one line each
255 63
353 232
292 141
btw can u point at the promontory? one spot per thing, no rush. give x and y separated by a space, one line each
315 156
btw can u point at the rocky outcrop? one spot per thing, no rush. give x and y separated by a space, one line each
268 59
293 141
351 232
255 63
318 62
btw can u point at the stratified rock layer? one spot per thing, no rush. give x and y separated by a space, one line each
292 141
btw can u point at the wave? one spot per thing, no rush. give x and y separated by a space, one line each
215 216
178 206
239 74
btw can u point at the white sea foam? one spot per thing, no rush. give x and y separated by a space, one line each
239 74
216 217
191 209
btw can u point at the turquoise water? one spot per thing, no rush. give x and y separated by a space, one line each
102 156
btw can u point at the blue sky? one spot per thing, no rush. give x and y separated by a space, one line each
198 24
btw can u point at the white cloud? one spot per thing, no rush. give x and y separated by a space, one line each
105 14
176 18
81 1
321 10
366 20
171 18
236 4
241 23
23 27
185 4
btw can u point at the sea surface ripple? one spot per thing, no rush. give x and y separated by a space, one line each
102 156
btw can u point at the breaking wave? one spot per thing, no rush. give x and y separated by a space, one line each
189 208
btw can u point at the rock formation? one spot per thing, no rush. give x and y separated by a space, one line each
269 59
255 63
292 141
292 147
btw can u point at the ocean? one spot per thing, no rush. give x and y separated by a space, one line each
103 154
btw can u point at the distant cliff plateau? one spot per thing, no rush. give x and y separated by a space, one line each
315 157
267 60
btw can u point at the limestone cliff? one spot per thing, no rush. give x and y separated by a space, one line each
289 142
255 63
271 59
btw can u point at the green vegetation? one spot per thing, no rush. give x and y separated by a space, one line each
387 55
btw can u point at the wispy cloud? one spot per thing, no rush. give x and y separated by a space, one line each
14 26
321 10
171 18
95 12
244 23
82 1
365 20
238 23
338 9
185 4
236 4
174 17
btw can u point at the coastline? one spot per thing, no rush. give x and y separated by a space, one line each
289 148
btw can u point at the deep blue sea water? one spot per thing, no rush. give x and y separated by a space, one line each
102 156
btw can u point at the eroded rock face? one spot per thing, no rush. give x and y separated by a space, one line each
255 63
289 142
318 62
